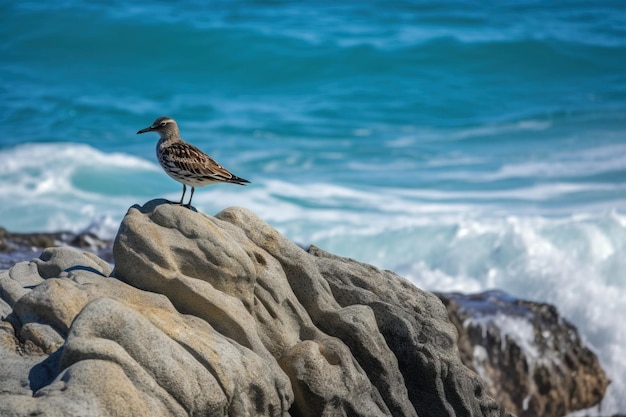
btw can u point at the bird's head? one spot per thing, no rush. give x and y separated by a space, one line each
164 126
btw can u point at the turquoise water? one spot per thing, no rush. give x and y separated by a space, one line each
465 147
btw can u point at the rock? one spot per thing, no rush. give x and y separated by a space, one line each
16 247
415 326
121 342
532 359
286 305
223 316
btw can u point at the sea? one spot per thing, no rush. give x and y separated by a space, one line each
465 145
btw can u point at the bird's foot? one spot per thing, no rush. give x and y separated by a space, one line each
178 203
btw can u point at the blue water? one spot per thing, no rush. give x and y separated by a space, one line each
465 147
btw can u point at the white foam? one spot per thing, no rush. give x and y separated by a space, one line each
520 331
488 130
500 129
565 164
479 358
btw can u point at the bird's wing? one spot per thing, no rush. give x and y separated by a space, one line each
189 158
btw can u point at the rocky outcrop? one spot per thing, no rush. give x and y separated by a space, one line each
224 316
532 359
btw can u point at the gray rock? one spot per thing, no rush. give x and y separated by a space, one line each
15 247
223 316
415 326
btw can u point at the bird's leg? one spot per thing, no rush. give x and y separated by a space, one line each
192 190
183 196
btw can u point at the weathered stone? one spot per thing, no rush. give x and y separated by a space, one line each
15 247
224 316
241 288
166 363
532 359
415 325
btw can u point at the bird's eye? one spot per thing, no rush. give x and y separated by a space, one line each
163 124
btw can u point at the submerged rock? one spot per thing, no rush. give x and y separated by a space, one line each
531 358
224 316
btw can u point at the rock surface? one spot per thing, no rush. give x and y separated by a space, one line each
223 316
532 359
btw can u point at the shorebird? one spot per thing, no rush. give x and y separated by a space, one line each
184 162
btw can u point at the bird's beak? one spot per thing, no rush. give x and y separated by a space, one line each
147 129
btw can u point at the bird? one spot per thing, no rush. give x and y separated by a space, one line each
186 163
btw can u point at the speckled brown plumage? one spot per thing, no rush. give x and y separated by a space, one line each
186 163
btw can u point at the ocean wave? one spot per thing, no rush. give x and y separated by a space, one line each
588 164
75 171
66 186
